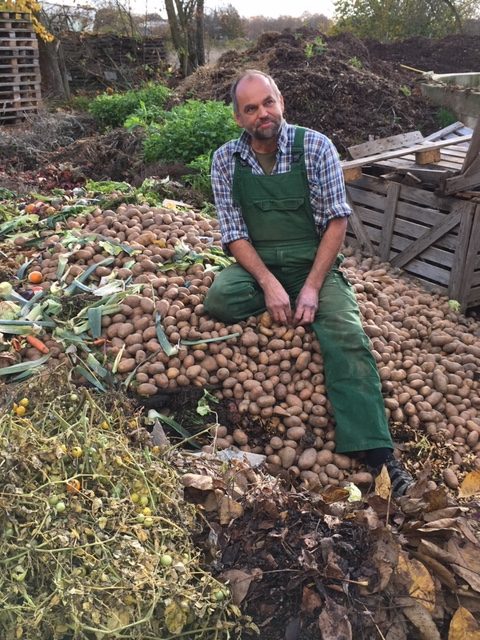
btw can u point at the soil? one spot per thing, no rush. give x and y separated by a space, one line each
453 54
333 85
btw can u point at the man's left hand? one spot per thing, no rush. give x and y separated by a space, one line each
306 306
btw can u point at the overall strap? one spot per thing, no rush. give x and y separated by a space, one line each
298 150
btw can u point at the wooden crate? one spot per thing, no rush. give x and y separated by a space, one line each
434 238
430 230
20 92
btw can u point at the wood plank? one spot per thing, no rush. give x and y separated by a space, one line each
430 275
412 194
359 230
427 239
385 144
472 252
430 156
457 276
443 132
474 148
423 215
391 201
432 176
361 162
405 229
463 182
443 258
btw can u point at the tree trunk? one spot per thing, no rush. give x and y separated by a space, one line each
455 12
53 70
200 31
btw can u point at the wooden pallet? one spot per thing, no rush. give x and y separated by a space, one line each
20 79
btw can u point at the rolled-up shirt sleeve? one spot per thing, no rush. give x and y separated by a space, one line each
328 194
230 219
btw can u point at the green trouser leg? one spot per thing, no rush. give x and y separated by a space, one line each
351 376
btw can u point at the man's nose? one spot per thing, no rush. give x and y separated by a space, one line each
262 111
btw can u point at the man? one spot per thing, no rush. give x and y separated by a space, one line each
282 210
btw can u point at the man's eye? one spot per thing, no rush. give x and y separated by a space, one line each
269 102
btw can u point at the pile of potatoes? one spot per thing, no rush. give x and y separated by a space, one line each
427 354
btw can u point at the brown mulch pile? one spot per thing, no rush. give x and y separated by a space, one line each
333 85
452 54
306 566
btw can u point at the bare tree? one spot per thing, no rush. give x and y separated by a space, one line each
186 20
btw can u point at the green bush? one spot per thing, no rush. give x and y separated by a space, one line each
113 110
190 130
201 179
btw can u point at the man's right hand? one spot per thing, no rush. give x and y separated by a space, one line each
278 302
276 298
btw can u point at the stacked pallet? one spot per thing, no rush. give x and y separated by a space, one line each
19 67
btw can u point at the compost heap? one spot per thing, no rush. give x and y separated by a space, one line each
333 85
452 54
120 298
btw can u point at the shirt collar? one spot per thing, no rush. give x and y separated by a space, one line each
242 145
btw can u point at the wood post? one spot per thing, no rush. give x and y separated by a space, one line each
391 201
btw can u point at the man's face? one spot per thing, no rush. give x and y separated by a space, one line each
260 108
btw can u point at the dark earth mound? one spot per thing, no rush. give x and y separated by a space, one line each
330 84
452 54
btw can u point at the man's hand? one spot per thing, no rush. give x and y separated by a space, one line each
306 305
278 302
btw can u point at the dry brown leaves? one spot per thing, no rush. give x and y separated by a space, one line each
304 565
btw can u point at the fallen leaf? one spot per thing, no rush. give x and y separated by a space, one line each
310 600
159 438
334 494
333 622
463 626
470 485
398 630
383 485
465 554
471 577
229 510
420 618
239 582
384 557
418 580
440 571
198 481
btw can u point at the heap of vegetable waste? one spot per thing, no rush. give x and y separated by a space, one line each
122 298
95 534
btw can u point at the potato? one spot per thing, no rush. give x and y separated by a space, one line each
450 478
287 456
307 459
146 389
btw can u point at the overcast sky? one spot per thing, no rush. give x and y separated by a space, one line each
247 8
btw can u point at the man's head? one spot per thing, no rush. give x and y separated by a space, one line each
257 105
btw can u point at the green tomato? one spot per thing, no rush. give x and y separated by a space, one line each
140 518
166 560
148 522
60 506
218 595
144 501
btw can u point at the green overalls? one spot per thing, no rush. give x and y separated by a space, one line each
277 212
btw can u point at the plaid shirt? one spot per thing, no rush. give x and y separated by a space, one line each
325 179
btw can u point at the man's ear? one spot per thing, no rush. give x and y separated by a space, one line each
282 104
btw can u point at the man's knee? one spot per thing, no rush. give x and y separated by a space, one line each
232 299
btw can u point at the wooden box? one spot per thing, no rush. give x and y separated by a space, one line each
416 204
20 91
434 238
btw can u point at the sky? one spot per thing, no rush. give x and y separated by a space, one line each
248 8
275 8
